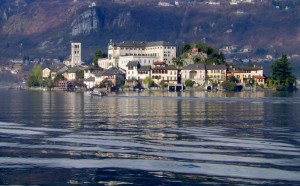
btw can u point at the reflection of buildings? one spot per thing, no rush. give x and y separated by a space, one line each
194 109
220 109
65 108
157 110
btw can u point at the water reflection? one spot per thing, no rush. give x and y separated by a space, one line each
149 137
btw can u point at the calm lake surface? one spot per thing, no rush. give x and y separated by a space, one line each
149 138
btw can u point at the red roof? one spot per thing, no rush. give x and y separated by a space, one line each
260 77
159 63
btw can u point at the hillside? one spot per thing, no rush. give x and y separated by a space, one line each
40 28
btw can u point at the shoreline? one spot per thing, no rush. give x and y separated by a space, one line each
143 90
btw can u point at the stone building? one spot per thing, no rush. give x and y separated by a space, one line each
119 54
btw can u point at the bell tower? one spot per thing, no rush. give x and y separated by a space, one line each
75 54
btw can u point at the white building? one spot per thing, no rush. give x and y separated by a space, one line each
132 70
46 73
89 82
76 54
194 72
145 52
143 72
143 60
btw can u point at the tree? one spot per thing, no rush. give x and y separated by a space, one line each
198 59
97 55
162 84
189 83
36 77
213 55
282 74
148 81
232 79
177 61
251 81
202 47
186 47
229 86
48 82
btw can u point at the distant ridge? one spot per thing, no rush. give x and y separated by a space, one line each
45 28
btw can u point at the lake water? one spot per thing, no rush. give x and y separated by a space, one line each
149 138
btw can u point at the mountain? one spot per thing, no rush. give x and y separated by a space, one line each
39 28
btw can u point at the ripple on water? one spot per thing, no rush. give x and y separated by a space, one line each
156 165
193 136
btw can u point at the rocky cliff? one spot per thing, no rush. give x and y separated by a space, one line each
86 23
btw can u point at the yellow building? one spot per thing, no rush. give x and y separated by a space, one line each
245 74
216 73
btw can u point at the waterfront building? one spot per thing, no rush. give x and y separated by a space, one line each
113 77
168 74
92 76
244 74
216 73
143 72
135 73
260 80
90 82
194 72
